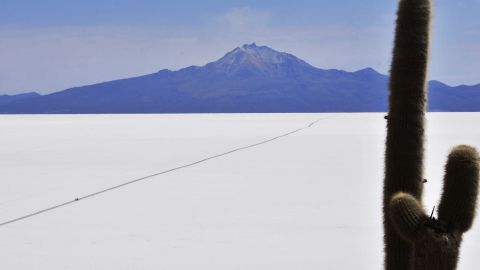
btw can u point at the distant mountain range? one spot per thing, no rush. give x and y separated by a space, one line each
248 79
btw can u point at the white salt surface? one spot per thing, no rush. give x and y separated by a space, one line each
311 200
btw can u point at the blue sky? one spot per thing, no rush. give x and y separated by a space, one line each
51 45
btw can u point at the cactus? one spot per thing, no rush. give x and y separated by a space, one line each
414 240
436 242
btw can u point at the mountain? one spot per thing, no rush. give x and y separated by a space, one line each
248 79
6 99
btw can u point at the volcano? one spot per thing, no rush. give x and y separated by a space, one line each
248 79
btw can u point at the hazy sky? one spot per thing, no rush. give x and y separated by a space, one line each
51 45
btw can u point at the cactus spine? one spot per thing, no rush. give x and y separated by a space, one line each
414 240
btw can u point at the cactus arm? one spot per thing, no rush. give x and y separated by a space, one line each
460 188
405 127
407 215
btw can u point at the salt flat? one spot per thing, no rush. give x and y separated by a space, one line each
311 200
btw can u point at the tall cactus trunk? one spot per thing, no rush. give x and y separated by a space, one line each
405 135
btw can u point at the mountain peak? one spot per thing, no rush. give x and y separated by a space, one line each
254 53
250 46
253 59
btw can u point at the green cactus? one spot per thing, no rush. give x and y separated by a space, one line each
436 242
414 240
